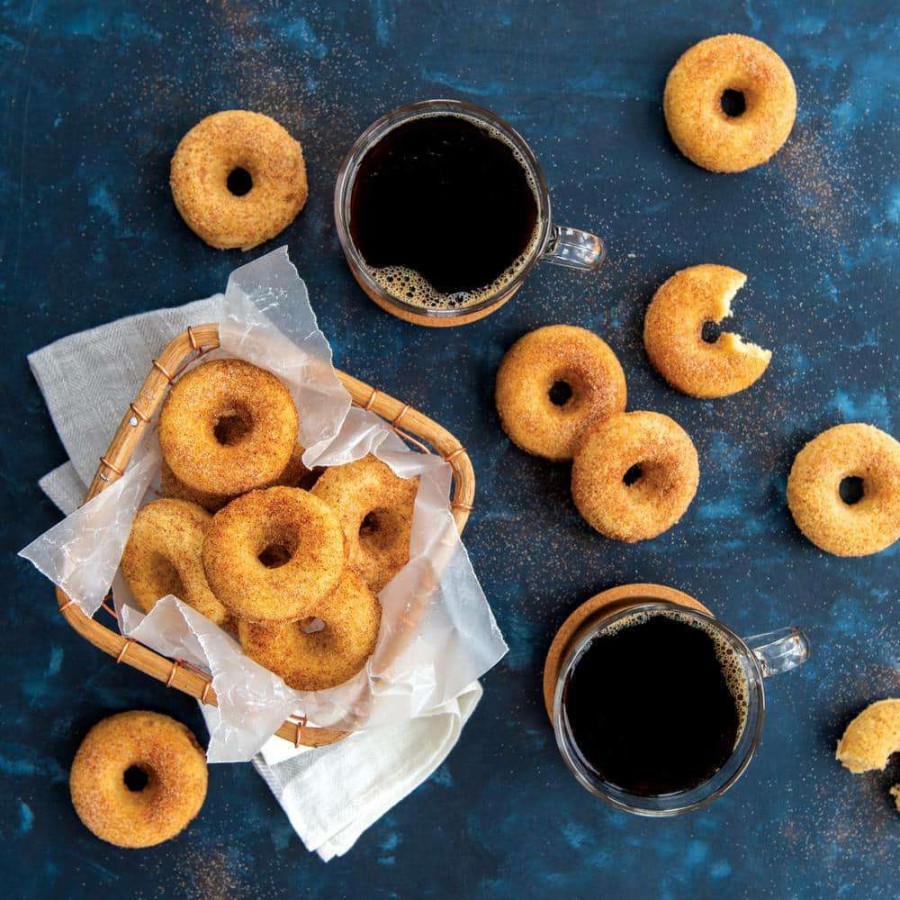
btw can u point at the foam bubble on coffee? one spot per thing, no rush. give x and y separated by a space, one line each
410 287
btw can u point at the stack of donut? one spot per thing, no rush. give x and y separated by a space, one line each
561 394
251 539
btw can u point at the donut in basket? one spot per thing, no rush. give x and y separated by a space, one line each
294 573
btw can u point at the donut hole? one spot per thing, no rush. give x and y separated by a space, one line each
370 524
634 474
648 479
166 579
733 103
274 556
136 778
560 392
232 427
710 332
851 490
239 181
312 625
377 531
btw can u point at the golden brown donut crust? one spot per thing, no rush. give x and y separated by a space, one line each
375 508
169 755
164 556
305 531
211 151
326 658
658 499
813 490
530 369
673 334
295 474
260 428
871 738
692 103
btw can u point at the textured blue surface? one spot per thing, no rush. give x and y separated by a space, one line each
94 99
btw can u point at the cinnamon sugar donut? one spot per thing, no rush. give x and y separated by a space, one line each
634 475
730 66
313 660
274 555
295 474
164 556
375 508
162 755
855 451
673 334
552 383
238 179
228 427
871 738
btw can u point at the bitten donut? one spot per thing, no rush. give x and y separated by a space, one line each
295 474
313 660
167 789
228 427
673 334
634 475
238 179
871 739
710 74
375 508
856 451
164 556
552 383
274 555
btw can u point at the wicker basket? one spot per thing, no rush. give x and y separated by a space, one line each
418 430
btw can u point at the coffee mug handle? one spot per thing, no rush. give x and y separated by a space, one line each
779 651
574 249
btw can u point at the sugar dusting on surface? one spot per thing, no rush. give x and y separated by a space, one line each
820 192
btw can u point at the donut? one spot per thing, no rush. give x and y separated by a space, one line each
871 738
238 179
707 76
634 475
228 427
552 383
164 556
673 334
311 658
274 555
375 509
295 474
138 779
859 452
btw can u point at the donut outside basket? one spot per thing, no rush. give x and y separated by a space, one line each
418 431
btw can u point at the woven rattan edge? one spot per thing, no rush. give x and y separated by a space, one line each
188 346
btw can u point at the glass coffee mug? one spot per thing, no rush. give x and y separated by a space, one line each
598 756
486 161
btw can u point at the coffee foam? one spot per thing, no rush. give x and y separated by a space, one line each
727 656
408 286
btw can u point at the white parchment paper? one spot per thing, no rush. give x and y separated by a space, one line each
437 631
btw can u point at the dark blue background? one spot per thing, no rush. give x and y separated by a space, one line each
95 98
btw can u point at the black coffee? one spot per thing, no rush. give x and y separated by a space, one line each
656 706
443 211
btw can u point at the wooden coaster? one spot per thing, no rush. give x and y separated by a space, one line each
614 600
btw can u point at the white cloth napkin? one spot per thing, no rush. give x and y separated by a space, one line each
333 794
